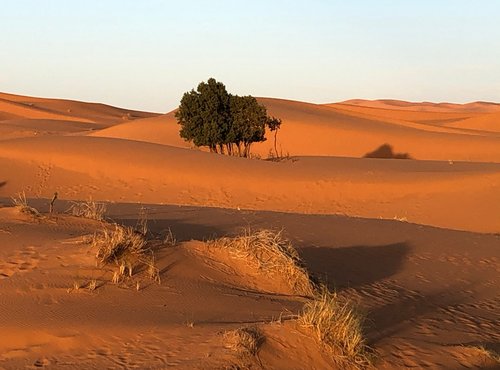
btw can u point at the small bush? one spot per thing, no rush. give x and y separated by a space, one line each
126 248
338 326
88 209
272 253
244 341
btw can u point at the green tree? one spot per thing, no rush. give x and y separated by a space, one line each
204 115
225 123
248 120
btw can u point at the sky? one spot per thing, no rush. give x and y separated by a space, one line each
146 54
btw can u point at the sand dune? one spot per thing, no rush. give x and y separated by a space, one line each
375 230
19 128
158 130
17 106
434 193
416 116
316 130
487 122
480 107
420 314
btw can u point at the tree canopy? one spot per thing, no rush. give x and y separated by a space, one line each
225 123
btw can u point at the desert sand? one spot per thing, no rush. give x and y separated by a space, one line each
414 243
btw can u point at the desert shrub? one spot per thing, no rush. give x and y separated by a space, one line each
272 253
338 326
126 248
88 209
21 203
244 341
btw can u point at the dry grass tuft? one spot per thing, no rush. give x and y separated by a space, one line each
271 252
487 352
88 209
142 222
338 326
169 239
244 341
92 285
20 202
125 248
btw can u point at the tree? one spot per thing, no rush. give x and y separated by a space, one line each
212 117
204 115
248 120
274 124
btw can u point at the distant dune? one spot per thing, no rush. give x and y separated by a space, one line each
478 106
17 106
487 122
311 129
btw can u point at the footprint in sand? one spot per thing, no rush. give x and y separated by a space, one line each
23 261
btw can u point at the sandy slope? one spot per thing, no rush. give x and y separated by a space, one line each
17 106
419 314
319 130
176 324
435 193
311 129
417 116
486 122
480 107
159 130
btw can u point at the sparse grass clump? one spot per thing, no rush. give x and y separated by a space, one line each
21 203
169 238
338 326
488 353
88 209
125 248
244 341
272 253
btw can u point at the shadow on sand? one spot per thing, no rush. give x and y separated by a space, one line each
351 267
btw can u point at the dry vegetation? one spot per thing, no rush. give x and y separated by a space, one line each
338 326
21 203
127 249
334 320
88 209
244 341
272 253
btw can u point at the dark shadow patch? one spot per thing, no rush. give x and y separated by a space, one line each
351 267
386 151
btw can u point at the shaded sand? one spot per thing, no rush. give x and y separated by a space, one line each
419 313
434 193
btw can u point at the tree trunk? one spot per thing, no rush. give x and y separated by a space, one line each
275 140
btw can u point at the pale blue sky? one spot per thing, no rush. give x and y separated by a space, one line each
145 54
